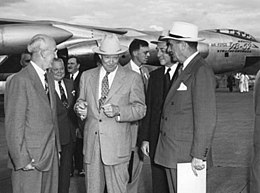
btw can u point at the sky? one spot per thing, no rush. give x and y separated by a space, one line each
242 15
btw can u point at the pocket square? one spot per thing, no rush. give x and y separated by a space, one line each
182 87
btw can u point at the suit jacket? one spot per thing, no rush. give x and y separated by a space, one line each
189 116
135 125
255 165
127 92
67 126
30 121
154 101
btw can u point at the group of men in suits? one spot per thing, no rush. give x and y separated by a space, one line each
177 102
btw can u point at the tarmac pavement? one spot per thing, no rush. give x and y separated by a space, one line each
232 147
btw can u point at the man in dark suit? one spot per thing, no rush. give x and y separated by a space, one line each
73 66
113 97
255 165
157 90
65 94
30 121
139 51
188 118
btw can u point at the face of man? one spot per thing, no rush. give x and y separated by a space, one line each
142 55
25 59
163 56
58 70
49 53
109 62
72 65
174 50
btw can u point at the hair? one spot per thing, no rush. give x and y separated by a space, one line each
136 44
58 60
193 45
77 59
37 43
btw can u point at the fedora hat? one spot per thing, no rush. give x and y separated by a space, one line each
184 32
110 46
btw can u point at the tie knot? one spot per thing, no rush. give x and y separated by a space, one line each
59 82
168 70
107 73
180 66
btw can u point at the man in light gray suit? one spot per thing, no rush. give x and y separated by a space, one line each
188 118
113 97
30 122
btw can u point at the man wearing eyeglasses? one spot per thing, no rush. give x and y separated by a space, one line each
30 121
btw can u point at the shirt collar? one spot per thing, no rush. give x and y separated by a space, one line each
134 67
39 71
187 61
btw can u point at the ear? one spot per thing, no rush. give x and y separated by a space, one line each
43 53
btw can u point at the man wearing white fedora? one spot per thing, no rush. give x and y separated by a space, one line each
188 117
110 98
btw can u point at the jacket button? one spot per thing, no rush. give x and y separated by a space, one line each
96 132
100 120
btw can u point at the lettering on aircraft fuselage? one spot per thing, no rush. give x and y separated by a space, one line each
240 46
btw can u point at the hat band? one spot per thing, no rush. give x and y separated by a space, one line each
176 36
106 51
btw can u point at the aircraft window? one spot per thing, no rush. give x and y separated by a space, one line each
236 33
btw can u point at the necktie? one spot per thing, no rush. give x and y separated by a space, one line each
145 80
46 86
63 96
104 90
177 72
167 82
71 77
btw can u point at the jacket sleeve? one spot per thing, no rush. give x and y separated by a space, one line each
15 117
136 108
204 111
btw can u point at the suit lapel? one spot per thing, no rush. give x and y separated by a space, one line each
68 88
37 83
117 82
185 75
94 82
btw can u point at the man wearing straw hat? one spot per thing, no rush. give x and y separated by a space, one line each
110 98
188 117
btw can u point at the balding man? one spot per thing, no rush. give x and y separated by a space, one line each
31 124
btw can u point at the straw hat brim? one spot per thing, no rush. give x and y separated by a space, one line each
120 51
184 39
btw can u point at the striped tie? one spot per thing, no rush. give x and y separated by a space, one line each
46 86
63 96
104 90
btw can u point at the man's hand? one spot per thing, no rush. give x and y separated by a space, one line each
197 164
29 166
81 109
145 148
111 110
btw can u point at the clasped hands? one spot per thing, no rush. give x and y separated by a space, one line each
29 166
